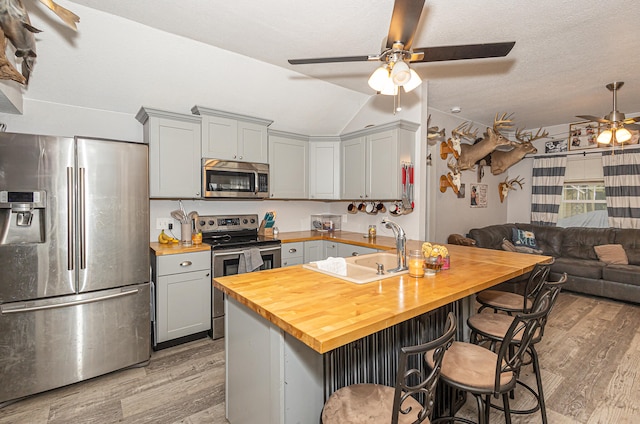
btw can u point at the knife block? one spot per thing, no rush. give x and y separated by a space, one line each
264 231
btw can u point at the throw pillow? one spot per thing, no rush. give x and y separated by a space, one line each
524 238
508 246
612 254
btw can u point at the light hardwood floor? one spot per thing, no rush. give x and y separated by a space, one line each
589 357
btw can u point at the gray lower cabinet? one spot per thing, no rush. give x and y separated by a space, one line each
183 295
292 253
346 250
313 251
330 249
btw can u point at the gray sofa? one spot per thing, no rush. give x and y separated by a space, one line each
574 253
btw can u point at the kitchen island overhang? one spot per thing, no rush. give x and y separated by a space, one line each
325 312
293 336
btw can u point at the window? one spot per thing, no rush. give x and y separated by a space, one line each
584 204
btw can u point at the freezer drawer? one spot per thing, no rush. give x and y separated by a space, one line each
50 343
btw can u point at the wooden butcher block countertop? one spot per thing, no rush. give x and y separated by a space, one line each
325 312
174 248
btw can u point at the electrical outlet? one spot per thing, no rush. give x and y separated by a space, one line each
163 223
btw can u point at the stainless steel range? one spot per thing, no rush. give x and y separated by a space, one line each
232 238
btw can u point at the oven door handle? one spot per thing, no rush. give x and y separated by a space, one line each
239 252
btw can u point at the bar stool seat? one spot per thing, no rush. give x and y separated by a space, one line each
409 402
367 403
503 301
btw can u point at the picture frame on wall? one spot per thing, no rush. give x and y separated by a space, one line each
555 146
478 196
584 135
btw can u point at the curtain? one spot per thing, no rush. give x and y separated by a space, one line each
622 187
546 191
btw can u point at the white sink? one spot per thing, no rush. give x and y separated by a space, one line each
364 269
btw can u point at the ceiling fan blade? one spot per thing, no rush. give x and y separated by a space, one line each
466 51
404 22
634 127
631 120
593 118
332 59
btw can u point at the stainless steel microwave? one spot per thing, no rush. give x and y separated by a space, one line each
224 178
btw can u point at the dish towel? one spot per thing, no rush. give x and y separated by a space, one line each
333 265
250 260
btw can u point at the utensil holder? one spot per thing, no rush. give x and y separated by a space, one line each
185 234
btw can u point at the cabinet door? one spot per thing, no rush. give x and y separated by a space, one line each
330 249
313 251
353 169
288 165
324 170
219 138
183 304
382 166
346 250
174 158
252 142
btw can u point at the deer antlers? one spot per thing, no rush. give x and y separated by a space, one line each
506 185
528 137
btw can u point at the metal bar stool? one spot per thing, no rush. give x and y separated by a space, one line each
376 403
484 373
492 328
510 303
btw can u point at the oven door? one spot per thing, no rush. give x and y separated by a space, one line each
226 262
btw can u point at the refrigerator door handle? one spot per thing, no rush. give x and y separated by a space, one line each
82 218
70 226
13 308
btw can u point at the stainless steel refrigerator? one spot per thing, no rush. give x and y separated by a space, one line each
74 260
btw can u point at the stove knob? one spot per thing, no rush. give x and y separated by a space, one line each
244 221
253 220
201 223
211 222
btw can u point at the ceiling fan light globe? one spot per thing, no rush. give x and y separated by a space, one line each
400 73
414 82
623 135
605 137
379 79
390 89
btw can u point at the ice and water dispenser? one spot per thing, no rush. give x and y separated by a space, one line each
22 217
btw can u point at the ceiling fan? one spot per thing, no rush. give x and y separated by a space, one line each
618 125
398 52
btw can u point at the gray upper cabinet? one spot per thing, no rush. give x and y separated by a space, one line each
233 136
288 165
324 168
174 153
372 161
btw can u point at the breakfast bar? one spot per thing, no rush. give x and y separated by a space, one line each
294 335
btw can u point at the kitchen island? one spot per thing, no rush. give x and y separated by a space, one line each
288 328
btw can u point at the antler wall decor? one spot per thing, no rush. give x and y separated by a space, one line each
506 185
503 160
16 27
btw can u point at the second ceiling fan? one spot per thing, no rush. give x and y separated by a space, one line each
398 52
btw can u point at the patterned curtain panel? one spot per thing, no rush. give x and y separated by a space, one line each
622 187
546 191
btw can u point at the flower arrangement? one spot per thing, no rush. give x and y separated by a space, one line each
434 250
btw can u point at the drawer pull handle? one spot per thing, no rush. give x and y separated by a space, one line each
186 263
293 250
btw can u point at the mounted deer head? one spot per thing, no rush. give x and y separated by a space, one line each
503 160
457 135
471 153
433 133
504 187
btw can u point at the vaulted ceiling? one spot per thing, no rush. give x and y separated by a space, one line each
565 52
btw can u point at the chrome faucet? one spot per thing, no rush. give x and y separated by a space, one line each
401 244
